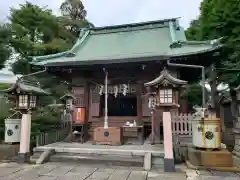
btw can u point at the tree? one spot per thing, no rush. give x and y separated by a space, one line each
36 32
220 19
192 32
5 49
74 15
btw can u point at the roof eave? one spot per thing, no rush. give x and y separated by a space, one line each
196 52
104 62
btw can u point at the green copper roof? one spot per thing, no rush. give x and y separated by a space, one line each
128 43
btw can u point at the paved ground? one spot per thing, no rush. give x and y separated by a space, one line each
211 175
67 171
70 171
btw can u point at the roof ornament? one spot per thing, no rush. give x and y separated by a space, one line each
69 54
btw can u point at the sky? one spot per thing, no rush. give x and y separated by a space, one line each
114 12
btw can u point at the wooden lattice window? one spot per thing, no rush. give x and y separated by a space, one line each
23 101
166 96
79 101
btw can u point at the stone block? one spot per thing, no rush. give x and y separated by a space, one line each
45 156
147 161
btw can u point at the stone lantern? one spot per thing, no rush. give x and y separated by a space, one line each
25 94
68 99
165 89
165 92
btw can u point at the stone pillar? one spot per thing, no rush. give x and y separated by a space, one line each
236 130
24 152
169 165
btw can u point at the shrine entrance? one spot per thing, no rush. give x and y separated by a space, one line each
120 105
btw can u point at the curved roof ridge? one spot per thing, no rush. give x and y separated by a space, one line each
134 24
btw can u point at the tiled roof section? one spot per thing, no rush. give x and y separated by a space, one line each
112 44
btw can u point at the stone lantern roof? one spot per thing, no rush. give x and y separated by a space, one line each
66 96
166 79
26 87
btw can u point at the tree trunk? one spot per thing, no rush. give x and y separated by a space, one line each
214 93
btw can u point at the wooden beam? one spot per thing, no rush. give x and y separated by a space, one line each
86 100
139 91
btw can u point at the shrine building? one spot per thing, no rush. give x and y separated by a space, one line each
134 57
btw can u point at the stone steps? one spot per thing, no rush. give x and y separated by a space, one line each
98 159
100 156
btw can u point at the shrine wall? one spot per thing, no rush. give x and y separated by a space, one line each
94 107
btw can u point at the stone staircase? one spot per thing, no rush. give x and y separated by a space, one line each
119 157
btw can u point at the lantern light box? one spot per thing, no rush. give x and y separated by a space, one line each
165 89
26 94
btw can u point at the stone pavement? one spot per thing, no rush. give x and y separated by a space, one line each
211 175
71 171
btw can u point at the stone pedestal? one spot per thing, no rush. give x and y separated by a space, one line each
24 152
220 158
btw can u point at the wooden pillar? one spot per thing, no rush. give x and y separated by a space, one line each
86 100
139 91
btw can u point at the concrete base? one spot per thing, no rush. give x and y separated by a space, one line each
169 165
23 158
8 151
221 158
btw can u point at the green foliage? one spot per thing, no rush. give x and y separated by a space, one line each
5 50
193 93
74 16
36 31
4 86
45 119
220 19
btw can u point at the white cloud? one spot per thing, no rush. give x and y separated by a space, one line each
110 12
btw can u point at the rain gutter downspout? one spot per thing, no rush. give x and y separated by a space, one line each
195 67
